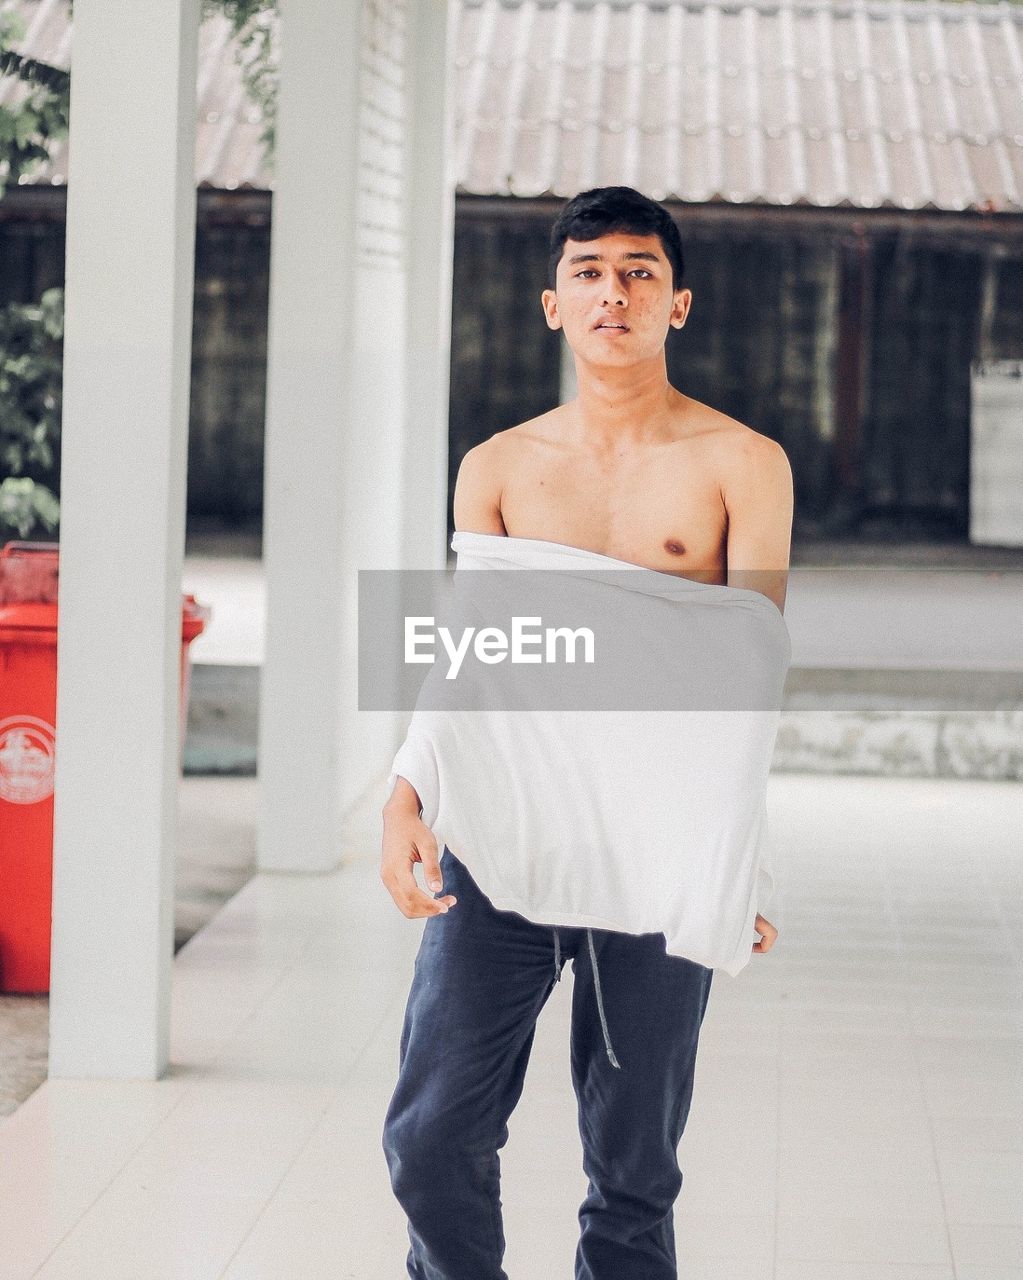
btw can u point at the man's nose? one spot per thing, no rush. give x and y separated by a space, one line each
615 293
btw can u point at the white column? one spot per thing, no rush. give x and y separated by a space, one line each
430 220
130 250
312 469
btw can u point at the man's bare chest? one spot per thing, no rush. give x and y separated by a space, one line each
666 517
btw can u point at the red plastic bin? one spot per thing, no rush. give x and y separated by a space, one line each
28 701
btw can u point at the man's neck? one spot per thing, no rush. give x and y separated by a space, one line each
622 408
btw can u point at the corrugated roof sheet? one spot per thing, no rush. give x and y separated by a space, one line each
909 104
903 103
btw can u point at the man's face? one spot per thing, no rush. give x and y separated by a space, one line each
614 298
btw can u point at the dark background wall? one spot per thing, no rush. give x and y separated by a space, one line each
849 341
847 337
225 439
505 362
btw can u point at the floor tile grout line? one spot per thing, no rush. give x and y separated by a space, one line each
921 1083
310 1135
1011 946
777 1147
780 1019
937 1161
261 1212
185 1087
286 972
114 1176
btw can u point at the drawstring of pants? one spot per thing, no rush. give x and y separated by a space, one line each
600 1002
596 984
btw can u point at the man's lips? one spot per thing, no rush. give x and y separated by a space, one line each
615 325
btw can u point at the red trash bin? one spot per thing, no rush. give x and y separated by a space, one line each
28 701
194 617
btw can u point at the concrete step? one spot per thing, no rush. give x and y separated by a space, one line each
223 719
904 723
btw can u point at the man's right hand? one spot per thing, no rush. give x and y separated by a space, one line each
408 840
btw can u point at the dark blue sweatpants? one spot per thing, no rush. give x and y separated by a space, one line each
481 978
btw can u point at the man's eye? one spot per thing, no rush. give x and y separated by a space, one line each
641 271
588 272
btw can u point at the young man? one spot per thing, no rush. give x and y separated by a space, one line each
633 469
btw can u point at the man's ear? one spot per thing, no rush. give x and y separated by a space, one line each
680 307
549 301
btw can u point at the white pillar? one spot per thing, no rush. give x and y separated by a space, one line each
356 435
130 252
430 221
312 469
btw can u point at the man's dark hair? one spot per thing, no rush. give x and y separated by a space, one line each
605 210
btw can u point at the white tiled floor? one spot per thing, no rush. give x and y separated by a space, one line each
858 1111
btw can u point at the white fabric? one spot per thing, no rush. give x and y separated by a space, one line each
646 821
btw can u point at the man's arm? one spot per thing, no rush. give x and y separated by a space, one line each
758 498
759 501
406 838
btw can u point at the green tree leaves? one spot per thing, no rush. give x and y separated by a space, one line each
31 339
37 114
253 25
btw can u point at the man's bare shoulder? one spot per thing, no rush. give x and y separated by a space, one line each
732 438
507 452
491 456
486 468
739 454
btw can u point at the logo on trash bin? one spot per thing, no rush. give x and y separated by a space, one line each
26 759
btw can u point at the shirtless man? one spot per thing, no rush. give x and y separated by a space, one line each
631 468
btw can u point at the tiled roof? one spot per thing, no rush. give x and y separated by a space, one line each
865 103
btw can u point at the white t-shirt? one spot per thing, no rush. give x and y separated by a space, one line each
629 817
